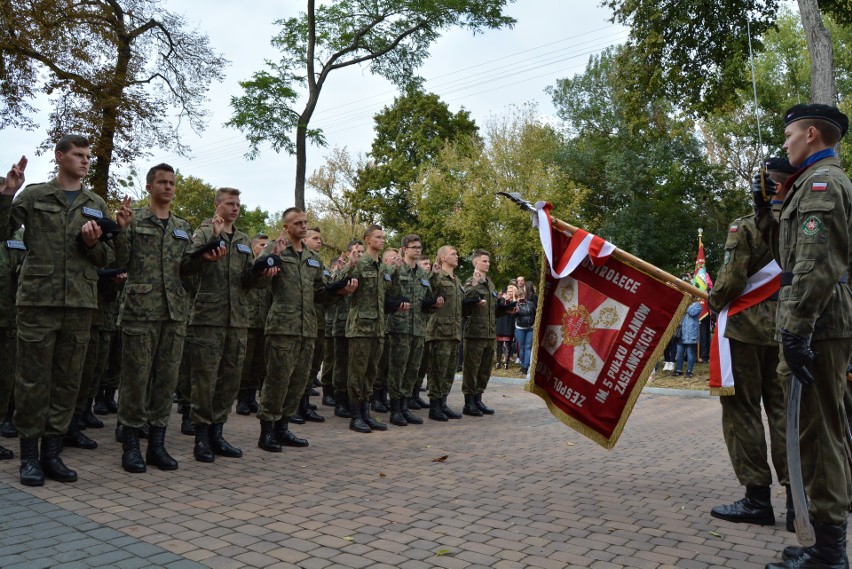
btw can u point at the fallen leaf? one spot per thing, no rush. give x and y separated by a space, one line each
349 538
441 552
381 474
428 446
570 444
716 534
441 458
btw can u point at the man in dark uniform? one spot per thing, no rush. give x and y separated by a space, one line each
754 359
809 231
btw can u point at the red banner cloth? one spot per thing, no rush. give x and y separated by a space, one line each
599 332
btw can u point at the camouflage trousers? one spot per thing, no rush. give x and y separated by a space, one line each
443 359
288 361
340 373
87 378
215 367
108 366
365 354
327 368
316 360
477 365
52 345
424 364
404 352
756 380
822 431
8 347
150 357
183 389
380 379
254 366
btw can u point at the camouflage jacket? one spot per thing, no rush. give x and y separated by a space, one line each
157 258
809 235
482 318
445 323
221 299
413 284
321 309
296 290
12 254
366 317
58 270
259 301
745 255
337 314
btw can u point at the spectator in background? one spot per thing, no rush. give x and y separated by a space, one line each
506 330
688 340
524 321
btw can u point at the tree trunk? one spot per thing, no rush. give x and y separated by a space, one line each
301 164
823 88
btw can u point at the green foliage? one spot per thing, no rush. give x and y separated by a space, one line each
409 134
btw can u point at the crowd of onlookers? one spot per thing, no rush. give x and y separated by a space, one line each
515 330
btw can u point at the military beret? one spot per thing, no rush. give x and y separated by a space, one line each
267 262
207 247
779 164
818 111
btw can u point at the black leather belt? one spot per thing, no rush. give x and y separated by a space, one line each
787 278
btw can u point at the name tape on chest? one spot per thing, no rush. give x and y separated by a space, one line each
243 248
313 263
180 234
16 244
424 282
93 213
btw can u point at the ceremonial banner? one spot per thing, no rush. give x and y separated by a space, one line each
598 333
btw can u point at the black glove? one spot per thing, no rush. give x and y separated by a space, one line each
337 285
472 301
266 262
392 304
798 354
110 273
109 229
428 303
762 190
207 247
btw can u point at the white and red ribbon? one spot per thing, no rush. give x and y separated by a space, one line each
583 244
759 287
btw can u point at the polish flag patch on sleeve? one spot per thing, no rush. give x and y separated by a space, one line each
819 186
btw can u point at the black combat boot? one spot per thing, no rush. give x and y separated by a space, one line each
307 413
379 404
413 401
31 473
156 455
51 463
829 551
242 402
436 412
88 418
131 456
371 421
448 411
791 511
267 440
219 445
423 404
109 400
410 417
396 417
755 508
186 426
253 405
470 407
119 432
357 422
327 396
7 428
297 418
202 451
100 407
75 437
341 405
144 431
6 454
285 436
486 410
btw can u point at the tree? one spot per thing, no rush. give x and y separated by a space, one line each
114 69
693 52
409 133
391 36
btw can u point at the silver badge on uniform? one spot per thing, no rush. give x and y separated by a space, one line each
387 277
424 282
180 234
313 263
243 248
92 212
16 244
494 293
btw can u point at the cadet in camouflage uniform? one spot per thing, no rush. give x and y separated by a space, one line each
754 360
379 402
443 333
254 366
414 401
307 411
11 256
808 233
365 328
154 310
327 368
218 322
108 366
57 295
406 331
340 375
291 330
480 334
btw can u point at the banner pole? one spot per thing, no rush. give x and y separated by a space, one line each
619 254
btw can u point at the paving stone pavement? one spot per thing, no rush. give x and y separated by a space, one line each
517 489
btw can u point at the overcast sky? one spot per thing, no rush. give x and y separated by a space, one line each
486 74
